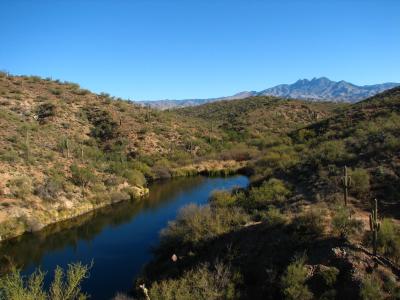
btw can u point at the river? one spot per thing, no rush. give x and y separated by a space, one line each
118 238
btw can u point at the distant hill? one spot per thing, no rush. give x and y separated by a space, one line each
166 104
321 89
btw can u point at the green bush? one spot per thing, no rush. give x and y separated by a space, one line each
293 281
105 128
329 275
389 239
80 92
371 288
360 182
204 282
56 92
10 156
196 224
21 187
274 190
135 177
45 111
331 152
222 198
279 157
274 217
67 286
309 225
82 176
343 225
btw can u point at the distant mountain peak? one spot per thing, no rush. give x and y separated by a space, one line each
317 89
323 88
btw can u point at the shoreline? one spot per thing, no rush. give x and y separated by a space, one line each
51 217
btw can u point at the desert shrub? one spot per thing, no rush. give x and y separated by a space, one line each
360 181
64 286
11 156
80 92
303 135
45 111
204 282
82 176
55 92
279 158
275 217
343 225
143 168
273 190
222 198
240 152
93 153
50 188
196 224
331 152
135 177
12 226
329 275
391 286
104 127
272 216
21 187
309 225
389 239
371 288
293 281
180 156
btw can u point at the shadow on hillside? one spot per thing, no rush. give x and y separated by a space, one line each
261 254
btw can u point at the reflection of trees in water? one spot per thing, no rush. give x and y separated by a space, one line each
30 248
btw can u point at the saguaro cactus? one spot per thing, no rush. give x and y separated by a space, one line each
67 146
346 182
27 145
374 224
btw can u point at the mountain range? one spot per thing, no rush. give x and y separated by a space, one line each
316 89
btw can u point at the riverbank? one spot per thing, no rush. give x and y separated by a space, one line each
117 238
17 217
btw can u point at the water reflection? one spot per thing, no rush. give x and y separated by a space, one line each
117 237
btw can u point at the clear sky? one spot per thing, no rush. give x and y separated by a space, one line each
158 49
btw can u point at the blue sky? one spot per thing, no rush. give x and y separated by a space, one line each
158 49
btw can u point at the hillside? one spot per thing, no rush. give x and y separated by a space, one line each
316 89
65 150
291 236
365 137
259 120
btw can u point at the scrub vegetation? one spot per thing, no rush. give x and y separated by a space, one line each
291 235
308 227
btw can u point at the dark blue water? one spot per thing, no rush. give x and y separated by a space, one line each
118 238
